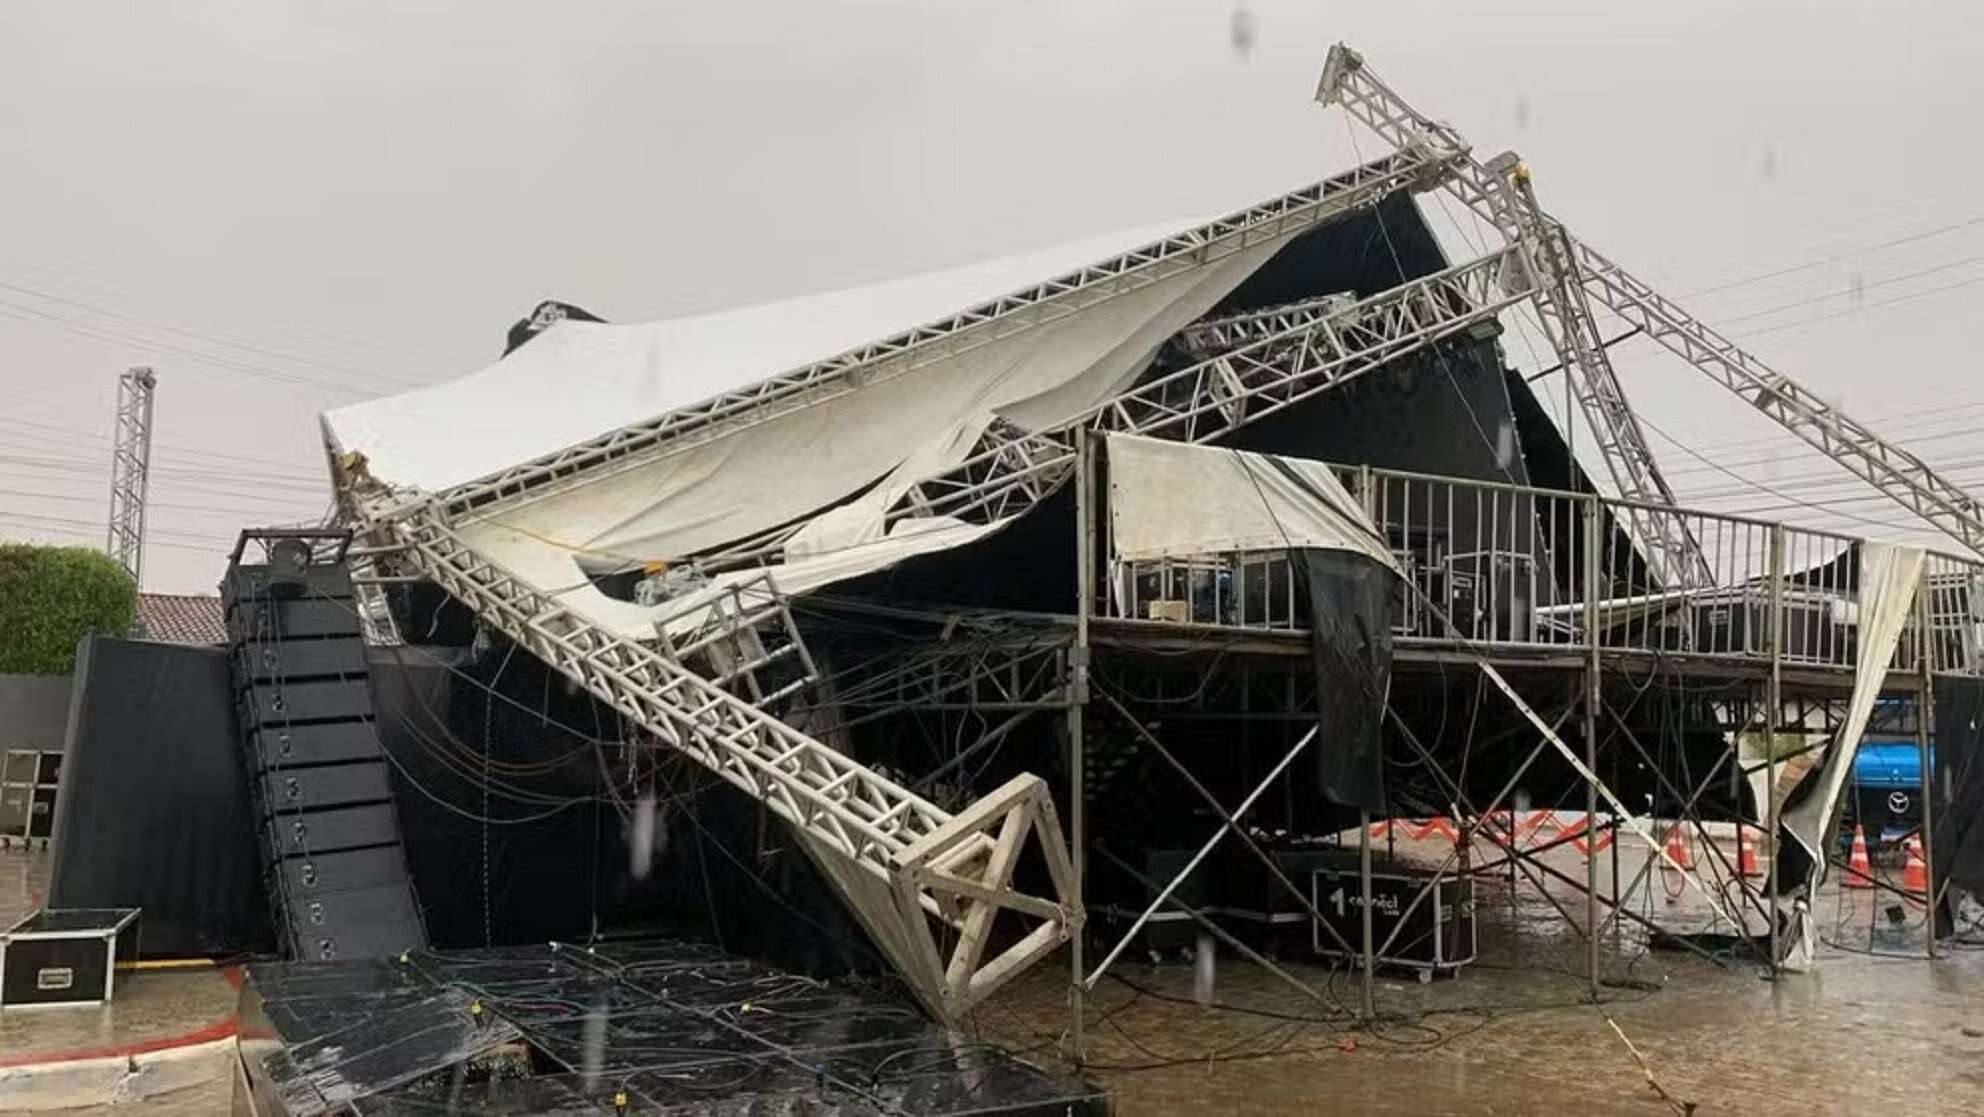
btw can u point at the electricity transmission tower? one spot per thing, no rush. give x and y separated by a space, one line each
130 470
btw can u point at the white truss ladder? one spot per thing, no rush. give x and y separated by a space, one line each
900 862
1420 167
1314 349
1901 475
743 640
1500 191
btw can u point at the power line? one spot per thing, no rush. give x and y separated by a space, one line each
1836 257
1861 309
127 342
1960 413
1691 452
102 439
1888 282
211 338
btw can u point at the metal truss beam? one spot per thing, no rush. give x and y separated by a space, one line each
1418 167
1011 469
992 674
1905 478
1891 470
1500 191
1211 335
130 470
898 860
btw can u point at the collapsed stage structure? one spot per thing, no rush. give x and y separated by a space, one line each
1179 507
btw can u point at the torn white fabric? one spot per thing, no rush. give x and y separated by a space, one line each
577 380
880 437
1889 575
834 468
1173 500
556 571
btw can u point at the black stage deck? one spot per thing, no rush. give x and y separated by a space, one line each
675 1027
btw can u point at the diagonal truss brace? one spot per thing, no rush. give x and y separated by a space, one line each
1314 350
1899 474
1907 479
1418 166
1500 191
899 860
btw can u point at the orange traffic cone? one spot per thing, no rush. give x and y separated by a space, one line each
1914 870
1677 849
1859 868
1746 853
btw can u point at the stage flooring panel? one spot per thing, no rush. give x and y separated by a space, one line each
680 1027
432 1034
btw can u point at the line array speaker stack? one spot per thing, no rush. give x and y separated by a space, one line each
332 857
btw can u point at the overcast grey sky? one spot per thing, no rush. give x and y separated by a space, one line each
286 207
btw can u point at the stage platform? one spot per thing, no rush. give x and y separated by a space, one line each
651 1026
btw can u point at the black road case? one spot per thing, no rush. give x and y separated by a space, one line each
62 956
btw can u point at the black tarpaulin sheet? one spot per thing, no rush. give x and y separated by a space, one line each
1351 641
1957 852
153 807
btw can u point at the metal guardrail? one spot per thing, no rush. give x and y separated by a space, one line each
1513 566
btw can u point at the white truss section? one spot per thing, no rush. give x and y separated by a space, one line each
1316 348
898 860
1901 475
1501 193
130 470
1210 334
1419 167
1909 480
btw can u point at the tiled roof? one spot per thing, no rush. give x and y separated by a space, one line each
180 618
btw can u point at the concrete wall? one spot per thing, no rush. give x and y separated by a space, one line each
34 711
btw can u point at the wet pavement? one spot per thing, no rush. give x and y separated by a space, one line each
1516 1032
153 1011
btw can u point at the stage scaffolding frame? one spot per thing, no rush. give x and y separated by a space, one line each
900 861
1055 654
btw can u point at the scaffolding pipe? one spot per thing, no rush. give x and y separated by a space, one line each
1230 825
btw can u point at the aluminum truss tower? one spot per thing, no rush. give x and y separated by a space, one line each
130 470
1500 191
1572 274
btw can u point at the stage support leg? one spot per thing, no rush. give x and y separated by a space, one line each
1077 695
1369 1004
1925 728
1591 700
1773 701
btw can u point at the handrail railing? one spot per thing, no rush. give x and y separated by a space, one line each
1500 564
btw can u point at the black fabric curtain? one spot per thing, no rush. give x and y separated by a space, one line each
152 810
1350 599
1957 852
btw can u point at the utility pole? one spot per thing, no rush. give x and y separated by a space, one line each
130 470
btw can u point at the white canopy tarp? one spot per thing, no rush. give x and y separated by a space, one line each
577 380
834 468
1173 500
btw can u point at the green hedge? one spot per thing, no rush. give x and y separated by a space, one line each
50 597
